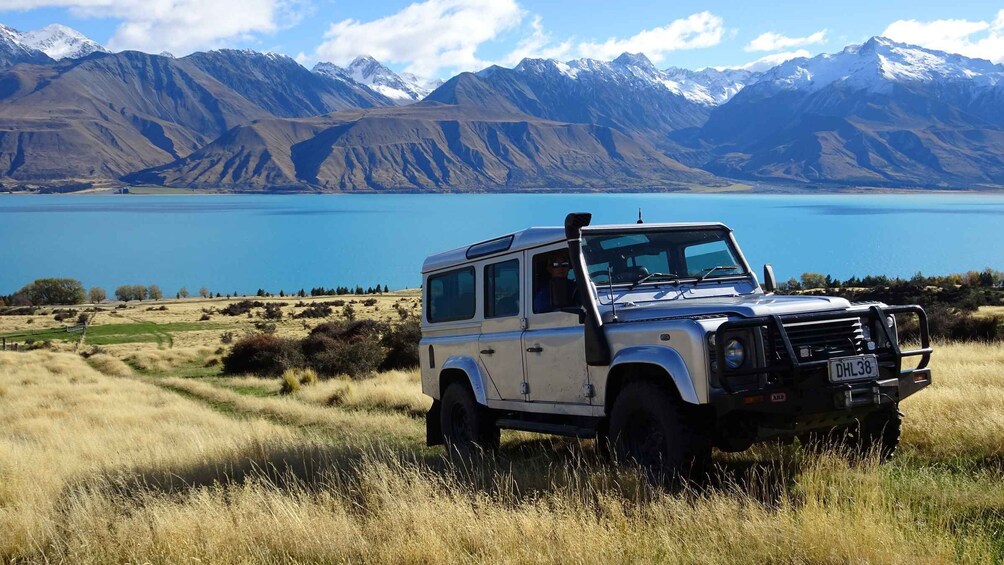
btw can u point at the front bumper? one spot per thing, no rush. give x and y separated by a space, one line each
794 391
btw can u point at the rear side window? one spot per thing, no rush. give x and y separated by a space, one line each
451 296
502 289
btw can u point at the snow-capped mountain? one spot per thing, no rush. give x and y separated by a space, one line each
13 49
403 88
881 113
61 42
709 86
876 65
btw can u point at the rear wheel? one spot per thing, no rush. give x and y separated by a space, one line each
466 425
650 427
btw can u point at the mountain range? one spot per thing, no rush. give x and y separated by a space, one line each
880 114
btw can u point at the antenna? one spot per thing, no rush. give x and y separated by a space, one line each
610 292
640 221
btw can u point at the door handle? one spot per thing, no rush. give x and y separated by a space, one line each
534 349
488 351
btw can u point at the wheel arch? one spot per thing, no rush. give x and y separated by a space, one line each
466 370
659 364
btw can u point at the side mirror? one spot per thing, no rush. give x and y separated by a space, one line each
769 282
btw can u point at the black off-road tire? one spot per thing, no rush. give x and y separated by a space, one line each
650 427
467 427
878 432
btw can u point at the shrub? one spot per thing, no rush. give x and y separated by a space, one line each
401 344
205 318
227 337
352 349
263 354
315 311
241 307
273 311
370 302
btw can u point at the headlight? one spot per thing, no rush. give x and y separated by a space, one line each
735 353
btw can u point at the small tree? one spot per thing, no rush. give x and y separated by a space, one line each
183 293
204 292
97 294
138 292
349 312
153 292
123 292
813 280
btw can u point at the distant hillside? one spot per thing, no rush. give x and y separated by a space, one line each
423 147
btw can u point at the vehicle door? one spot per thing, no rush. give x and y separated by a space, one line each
500 345
553 350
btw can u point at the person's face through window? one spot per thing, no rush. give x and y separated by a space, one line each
558 265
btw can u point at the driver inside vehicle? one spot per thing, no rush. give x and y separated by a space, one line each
554 289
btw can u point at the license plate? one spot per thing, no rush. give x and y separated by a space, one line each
855 368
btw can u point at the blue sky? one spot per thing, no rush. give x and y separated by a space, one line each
442 37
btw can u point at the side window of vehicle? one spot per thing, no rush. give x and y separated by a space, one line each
502 289
550 267
451 296
704 256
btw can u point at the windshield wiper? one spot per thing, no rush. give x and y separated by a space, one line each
650 276
710 270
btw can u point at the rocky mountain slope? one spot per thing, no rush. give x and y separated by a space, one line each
425 146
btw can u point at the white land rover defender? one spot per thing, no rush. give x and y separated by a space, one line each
657 338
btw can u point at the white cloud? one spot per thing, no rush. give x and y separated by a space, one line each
771 41
772 60
428 37
538 45
981 39
702 29
180 26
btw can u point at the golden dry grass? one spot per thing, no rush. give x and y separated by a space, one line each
101 469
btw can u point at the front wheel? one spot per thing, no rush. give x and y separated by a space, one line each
466 425
650 427
878 432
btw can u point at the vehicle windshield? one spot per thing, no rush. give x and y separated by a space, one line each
660 256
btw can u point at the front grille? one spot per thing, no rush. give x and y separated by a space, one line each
820 340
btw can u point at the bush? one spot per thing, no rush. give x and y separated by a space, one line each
273 311
242 307
401 344
315 311
352 349
370 302
263 354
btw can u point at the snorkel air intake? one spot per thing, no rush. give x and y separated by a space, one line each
597 347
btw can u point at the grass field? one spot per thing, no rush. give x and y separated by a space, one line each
143 453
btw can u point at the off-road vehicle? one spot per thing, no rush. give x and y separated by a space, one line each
656 338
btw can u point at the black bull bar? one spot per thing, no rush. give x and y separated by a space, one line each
789 370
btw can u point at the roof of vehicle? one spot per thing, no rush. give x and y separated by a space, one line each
536 237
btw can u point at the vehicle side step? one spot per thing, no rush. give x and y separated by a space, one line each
546 428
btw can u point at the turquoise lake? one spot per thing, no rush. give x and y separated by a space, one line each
242 243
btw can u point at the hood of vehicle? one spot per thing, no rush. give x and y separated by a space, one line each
747 306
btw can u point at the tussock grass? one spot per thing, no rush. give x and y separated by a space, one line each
395 391
148 468
109 365
147 358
